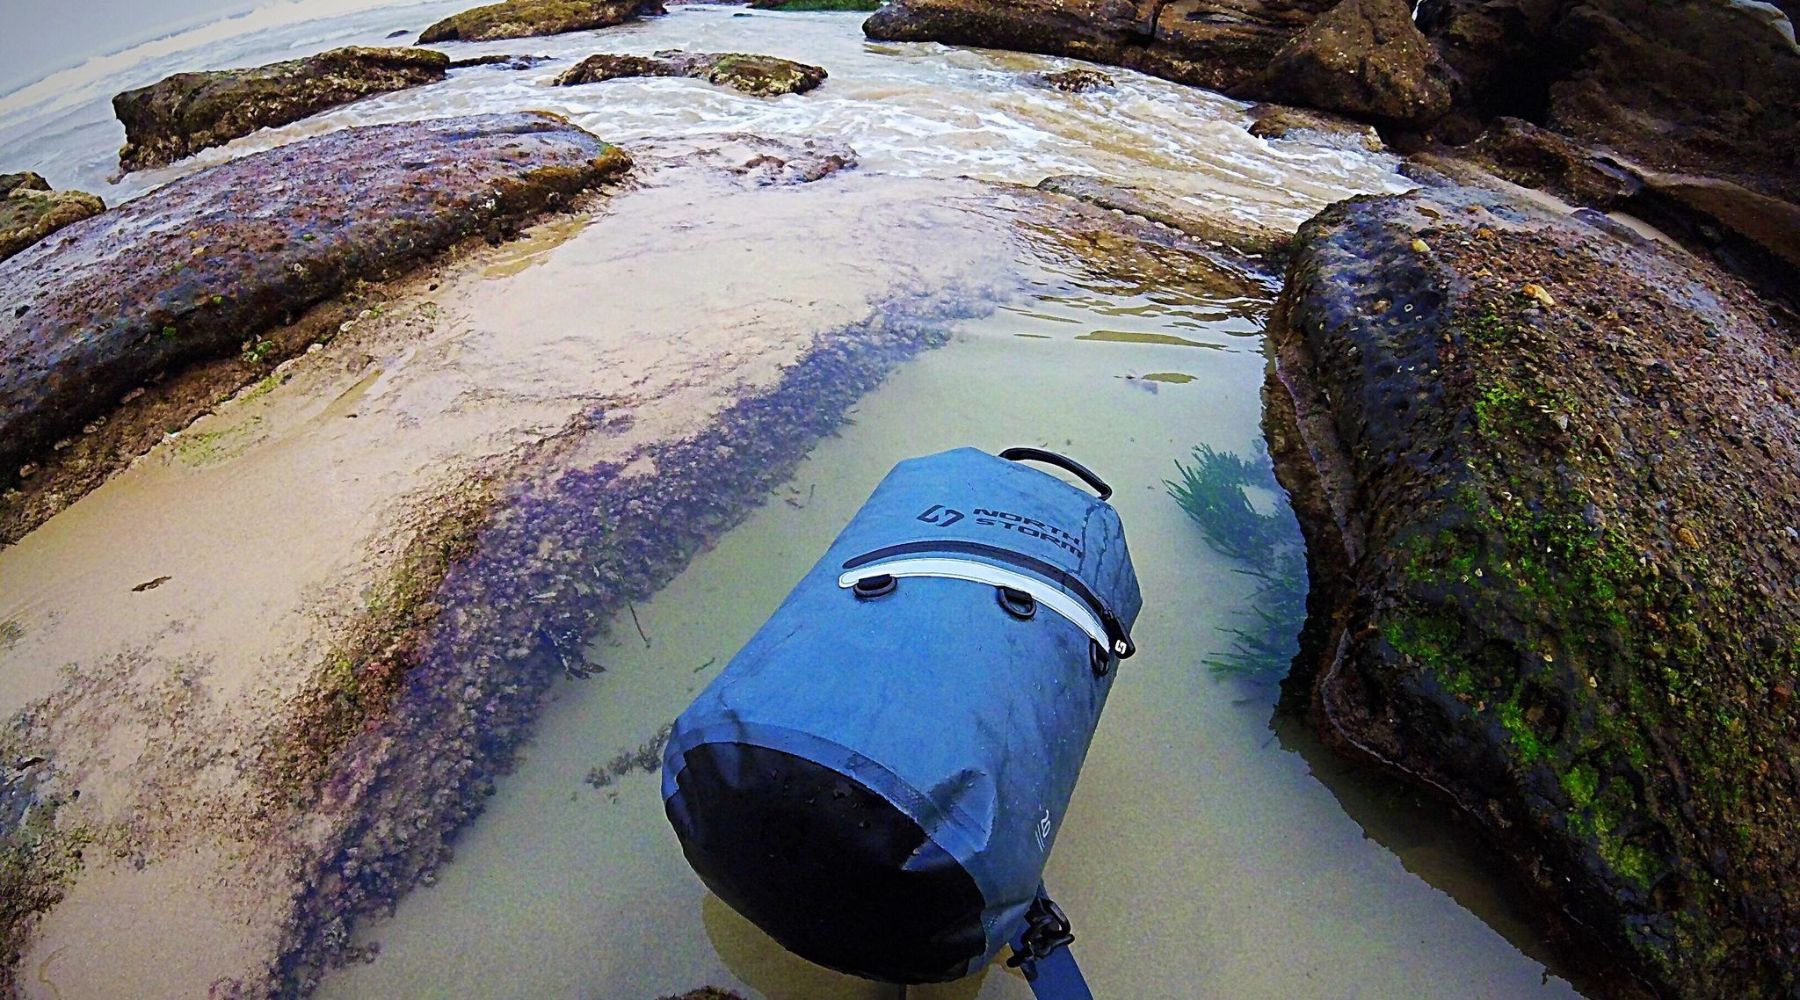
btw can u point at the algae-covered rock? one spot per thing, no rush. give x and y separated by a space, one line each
1072 81
524 18
28 214
27 181
1222 45
1550 482
192 270
180 115
765 76
1364 58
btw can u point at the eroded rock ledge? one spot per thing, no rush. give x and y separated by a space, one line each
1549 476
200 269
182 114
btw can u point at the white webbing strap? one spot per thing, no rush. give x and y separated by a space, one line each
975 571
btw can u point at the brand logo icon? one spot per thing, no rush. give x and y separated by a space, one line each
1043 832
941 515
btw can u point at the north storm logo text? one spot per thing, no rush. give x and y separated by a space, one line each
1005 520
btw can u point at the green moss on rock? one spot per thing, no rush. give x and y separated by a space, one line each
1569 467
28 214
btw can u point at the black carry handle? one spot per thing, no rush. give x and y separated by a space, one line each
1082 472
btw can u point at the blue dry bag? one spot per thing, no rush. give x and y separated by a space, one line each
877 778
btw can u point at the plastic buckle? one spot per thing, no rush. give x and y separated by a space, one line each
1047 929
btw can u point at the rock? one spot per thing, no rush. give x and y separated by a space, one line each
1535 157
190 271
765 76
1280 121
1072 81
28 214
1694 88
1499 50
185 113
1223 45
1246 238
1703 87
1543 542
1364 58
524 18
1752 234
27 181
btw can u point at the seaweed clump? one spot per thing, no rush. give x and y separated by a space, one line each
1213 493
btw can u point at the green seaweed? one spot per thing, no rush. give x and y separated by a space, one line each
1211 491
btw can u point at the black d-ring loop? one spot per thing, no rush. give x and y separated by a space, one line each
1017 603
1081 472
1099 659
870 587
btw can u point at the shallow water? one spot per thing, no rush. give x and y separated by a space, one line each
922 110
1200 856
1204 853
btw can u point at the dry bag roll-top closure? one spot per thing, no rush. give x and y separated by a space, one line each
877 778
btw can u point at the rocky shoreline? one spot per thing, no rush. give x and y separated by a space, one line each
1545 463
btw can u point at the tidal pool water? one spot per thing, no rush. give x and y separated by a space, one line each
1202 855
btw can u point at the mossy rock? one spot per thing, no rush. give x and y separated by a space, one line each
764 76
525 18
1550 481
182 114
28 214
27 181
